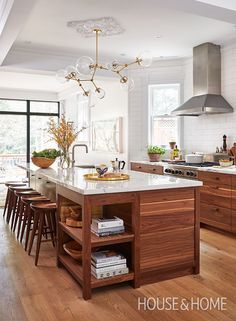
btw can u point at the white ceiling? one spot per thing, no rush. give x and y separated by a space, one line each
45 43
142 20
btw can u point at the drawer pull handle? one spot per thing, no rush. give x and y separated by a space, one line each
217 178
139 167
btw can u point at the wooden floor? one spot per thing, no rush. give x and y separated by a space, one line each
46 293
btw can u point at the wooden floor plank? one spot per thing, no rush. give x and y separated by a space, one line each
46 293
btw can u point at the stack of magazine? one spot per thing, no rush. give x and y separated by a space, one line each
107 226
105 264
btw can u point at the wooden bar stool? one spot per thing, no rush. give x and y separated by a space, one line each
15 214
28 216
8 184
43 214
13 199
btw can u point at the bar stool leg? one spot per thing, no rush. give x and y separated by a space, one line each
39 238
21 217
28 220
14 210
18 215
9 208
6 202
51 230
33 232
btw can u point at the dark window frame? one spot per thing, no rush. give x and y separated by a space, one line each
28 113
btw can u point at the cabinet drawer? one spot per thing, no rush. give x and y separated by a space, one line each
216 216
155 169
147 168
165 248
234 221
215 178
217 195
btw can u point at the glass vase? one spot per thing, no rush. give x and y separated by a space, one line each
65 160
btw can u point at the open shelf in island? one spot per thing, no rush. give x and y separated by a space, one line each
76 270
126 243
96 241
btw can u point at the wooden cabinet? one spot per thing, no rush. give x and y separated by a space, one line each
146 168
168 234
216 200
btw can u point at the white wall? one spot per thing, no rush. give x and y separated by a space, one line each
115 104
10 93
204 133
172 71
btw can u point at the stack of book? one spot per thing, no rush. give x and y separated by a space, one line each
108 263
107 226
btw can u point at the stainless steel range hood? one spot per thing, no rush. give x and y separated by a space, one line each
207 97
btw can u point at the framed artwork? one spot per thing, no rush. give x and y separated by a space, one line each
107 135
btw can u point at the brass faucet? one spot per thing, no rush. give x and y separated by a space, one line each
73 152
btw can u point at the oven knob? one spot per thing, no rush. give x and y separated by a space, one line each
167 170
191 174
180 172
188 173
172 172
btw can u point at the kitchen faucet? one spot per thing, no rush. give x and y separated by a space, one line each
73 151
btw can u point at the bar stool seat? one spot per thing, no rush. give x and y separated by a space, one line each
17 214
12 202
8 184
28 216
44 220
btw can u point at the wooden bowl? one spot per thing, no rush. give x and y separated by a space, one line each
42 162
73 249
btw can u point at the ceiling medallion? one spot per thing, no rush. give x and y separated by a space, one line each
86 68
108 25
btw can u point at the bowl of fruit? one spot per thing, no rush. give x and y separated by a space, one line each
45 158
225 162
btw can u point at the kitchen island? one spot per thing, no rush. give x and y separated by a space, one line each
161 216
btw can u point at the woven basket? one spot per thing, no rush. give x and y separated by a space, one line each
42 162
73 249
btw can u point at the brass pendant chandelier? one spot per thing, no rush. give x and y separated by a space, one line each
86 68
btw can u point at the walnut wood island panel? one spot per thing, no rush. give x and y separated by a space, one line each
161 216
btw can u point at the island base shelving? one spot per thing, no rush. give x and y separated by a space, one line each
161 239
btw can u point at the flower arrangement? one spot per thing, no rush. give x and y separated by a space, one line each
64 134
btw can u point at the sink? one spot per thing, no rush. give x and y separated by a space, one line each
85 166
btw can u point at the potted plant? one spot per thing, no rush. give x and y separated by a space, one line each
155 152
45 158
172 144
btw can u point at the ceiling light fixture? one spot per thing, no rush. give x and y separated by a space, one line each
85 71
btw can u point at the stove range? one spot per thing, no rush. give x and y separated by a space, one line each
185 170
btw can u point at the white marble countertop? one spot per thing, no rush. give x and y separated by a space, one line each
217 169
74 180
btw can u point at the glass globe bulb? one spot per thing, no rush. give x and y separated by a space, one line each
71 71
100 93
61 76
128 85
146 58
108 65
83 65
115 64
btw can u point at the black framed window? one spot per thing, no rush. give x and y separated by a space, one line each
23 126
